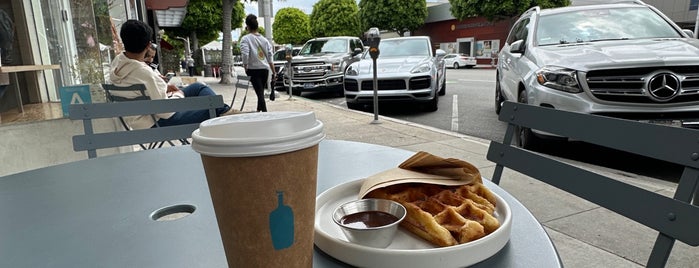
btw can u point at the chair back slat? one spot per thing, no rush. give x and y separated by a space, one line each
675 218
143 107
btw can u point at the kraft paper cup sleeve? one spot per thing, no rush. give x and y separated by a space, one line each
424 167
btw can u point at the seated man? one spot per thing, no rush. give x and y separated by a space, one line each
128 68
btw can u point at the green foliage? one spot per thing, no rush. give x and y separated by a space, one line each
203 17
238 15
395 15
498 10
335 18
291 26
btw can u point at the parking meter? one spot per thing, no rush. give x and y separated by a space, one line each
373 39
288 54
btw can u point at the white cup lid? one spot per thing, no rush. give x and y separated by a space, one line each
257 134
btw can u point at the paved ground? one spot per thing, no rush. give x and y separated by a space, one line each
585 234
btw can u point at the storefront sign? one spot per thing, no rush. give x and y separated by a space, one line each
77 94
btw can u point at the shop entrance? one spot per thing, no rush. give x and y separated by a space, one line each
465 45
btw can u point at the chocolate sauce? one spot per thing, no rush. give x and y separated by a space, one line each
368 219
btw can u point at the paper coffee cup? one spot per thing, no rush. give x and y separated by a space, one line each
261 169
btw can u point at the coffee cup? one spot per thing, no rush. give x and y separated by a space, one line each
261 169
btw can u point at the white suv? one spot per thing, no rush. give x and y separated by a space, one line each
620 60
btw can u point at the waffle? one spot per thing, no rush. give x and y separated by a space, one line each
444 215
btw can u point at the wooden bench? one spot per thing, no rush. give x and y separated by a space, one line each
675 218
91 141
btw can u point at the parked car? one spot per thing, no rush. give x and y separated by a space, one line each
624 60
321 63
408 71
279 59
457 61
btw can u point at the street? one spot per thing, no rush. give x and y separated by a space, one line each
468 108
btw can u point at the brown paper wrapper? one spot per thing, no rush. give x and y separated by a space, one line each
424 167
252 218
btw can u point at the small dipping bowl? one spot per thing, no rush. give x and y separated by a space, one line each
370 222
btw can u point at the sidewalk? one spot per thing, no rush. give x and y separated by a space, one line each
585 234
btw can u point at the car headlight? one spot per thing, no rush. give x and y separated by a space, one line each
422 68
351 71
559 78
336 67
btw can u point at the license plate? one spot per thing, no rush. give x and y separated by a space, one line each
308 85
665 122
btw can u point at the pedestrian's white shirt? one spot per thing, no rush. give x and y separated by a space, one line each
252 57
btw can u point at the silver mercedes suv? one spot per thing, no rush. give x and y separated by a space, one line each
624 60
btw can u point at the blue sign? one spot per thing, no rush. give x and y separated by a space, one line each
78 94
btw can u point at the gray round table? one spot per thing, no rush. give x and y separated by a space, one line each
98 212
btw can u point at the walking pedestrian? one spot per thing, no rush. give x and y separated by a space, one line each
190 66
257 60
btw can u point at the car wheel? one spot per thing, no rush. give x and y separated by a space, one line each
456 65
498 96
443 89
525 138
340 91
296 92
433 104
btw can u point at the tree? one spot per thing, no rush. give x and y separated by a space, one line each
202 22
233 14
395 15
291 26
498 10
335 18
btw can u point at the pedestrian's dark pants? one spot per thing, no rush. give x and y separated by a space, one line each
258 78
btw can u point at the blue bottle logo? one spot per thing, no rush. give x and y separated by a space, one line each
281 224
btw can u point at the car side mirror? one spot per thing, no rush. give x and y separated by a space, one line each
688 32
356 52
440 53
518 47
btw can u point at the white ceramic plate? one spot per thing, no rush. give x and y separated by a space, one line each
406 250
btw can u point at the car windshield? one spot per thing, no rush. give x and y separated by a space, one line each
602 25
280 55
402 48
325 46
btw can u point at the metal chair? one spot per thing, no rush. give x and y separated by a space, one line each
242 82
91 141
675 218
139 91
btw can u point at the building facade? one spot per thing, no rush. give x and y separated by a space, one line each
80 36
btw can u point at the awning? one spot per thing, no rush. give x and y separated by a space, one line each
169 13
213 45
